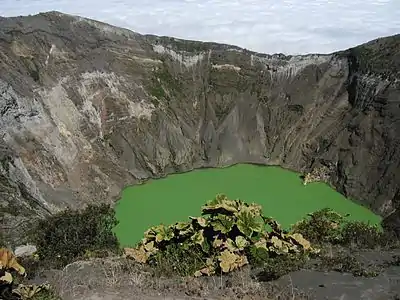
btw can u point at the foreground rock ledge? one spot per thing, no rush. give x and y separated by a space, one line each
87 108
115 278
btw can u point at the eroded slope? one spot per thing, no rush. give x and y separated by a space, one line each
87 108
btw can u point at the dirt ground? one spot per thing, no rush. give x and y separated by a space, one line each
119 278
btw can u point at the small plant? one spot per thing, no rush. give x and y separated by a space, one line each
322 226
362 235
8 288
274 268
73 234
179 260
327 226
220 239
33 291
257 256
8 263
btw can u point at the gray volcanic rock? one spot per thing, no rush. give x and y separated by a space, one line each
87 108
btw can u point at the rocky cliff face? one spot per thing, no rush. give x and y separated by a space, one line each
87 108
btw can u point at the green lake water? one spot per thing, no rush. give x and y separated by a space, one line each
280 192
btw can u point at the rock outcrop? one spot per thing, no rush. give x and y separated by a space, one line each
87 108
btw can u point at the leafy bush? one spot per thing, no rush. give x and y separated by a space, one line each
8 265
257 256
322 226
274 265
71 234
327 226
178 260
362 235
10 285
220 238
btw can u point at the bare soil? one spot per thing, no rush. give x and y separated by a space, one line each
119 278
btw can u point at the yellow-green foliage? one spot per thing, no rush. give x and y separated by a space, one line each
224 231
8 264
30 291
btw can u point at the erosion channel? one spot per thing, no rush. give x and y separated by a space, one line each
281 193
87 109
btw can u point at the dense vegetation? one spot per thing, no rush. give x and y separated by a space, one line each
12 276
60 239
219 241
328 227
70 235
229 235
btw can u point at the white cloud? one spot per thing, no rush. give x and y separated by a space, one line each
288 26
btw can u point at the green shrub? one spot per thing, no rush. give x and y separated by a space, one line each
274 266
257 256
362 235
70 234
327 226
177 260
322 226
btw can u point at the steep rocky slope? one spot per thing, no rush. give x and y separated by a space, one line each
87 108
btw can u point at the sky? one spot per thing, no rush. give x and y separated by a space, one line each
268 26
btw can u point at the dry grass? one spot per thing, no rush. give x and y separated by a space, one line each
125 277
